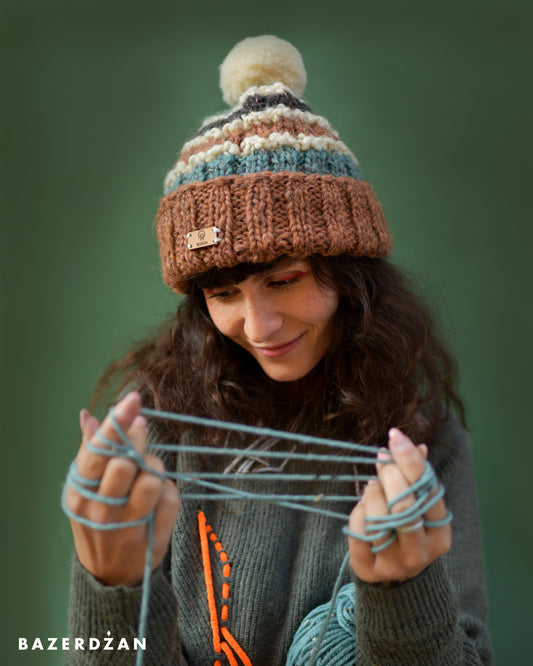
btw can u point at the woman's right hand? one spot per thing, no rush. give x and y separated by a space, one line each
117 556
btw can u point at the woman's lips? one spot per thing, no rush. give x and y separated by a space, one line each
279 350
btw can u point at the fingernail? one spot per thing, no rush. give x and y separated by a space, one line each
398 441
92 422
139 421
384 454
83 417
122 406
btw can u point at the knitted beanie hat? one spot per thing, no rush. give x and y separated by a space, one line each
266 179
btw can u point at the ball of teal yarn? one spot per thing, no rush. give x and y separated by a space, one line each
338 646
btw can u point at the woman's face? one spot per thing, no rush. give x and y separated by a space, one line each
282 317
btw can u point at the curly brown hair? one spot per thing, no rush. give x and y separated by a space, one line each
386 365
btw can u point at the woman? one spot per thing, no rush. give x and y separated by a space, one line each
292 319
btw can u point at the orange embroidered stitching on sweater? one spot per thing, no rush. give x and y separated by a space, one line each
238 649
208 574
230 645
229 654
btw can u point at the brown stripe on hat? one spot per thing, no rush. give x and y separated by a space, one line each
284 125
262 216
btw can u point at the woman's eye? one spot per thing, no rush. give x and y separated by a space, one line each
222 295
289 280
283 283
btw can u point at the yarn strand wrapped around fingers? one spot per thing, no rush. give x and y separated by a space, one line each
427 489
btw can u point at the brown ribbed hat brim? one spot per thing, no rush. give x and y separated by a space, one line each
262 216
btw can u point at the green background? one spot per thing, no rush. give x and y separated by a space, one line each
97 97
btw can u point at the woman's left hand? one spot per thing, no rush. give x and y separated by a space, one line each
411 552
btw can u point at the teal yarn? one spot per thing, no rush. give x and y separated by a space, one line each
275 161
325 636
338 645
376 528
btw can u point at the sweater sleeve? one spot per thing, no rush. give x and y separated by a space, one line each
98 611
439 617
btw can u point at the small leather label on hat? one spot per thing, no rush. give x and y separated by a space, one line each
202 238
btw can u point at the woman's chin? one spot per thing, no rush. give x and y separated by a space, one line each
285 374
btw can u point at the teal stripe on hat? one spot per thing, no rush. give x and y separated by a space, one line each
282 159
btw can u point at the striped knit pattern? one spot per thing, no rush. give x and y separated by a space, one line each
270 130
276 180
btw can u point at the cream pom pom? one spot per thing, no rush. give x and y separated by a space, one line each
259 61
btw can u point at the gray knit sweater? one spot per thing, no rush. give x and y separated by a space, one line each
283 564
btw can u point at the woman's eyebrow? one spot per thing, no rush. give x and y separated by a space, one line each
287 265
290 265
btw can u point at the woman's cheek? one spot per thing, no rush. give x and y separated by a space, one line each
221 317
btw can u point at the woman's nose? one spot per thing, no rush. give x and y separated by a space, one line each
261 321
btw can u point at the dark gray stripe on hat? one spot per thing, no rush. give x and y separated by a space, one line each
256 103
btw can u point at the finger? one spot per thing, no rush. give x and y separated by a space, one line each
406 455
90 426
411 460
120 472
137 434
118 477
394 483
361 557
147 488
124 414
92 464
84 413
375 504
166 510
437 511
